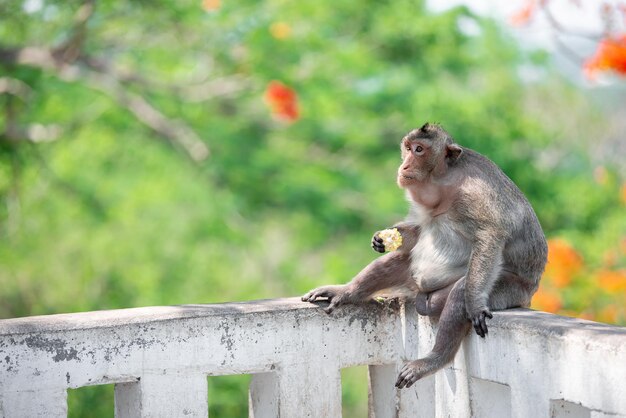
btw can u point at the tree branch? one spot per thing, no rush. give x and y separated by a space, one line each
175 131
189 92
565 31
14 87
71 49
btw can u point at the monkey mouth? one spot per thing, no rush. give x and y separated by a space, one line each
408 177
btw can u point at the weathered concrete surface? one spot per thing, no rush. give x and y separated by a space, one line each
531 364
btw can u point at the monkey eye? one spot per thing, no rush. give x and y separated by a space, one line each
419 148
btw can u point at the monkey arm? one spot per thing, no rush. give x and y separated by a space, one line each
485 265
410 232
389 272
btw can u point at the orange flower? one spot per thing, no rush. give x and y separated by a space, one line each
623 193
523 16
211 5
610 55
563 262
612 281
546 301
282 100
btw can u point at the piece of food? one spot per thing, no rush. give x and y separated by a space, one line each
391 239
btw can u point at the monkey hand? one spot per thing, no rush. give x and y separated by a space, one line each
479 319
337 295
377 243
387 240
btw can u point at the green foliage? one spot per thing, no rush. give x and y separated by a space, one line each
112 214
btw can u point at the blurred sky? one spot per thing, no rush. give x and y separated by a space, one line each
577 16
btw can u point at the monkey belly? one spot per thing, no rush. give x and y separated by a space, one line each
440 257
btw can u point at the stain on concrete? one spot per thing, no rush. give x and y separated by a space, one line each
54 345
227 336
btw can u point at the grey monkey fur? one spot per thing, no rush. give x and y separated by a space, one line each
471 244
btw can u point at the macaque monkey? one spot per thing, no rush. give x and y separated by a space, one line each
471 244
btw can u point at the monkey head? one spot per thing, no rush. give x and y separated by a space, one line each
427 153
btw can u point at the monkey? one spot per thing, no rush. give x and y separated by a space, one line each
472 244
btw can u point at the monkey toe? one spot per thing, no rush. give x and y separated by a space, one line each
409 374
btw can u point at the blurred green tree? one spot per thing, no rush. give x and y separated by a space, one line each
172 152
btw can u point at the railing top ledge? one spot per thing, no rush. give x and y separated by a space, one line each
550 325
524 320
150 314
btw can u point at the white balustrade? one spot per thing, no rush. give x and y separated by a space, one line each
532 364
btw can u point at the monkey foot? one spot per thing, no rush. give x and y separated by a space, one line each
411 373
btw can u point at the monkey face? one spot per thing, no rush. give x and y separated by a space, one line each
418 160
426 152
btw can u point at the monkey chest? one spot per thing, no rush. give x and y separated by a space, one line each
440 257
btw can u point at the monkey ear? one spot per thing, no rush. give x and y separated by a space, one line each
453 152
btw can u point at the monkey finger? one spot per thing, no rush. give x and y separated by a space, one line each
330 308
378 249
310 297
316 294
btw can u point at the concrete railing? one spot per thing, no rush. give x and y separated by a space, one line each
532 364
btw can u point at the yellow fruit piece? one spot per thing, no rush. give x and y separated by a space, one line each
391 239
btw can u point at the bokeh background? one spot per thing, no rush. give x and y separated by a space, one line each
173 152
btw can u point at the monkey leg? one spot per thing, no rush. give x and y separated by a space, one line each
431 304
453 326
390 272
510 291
